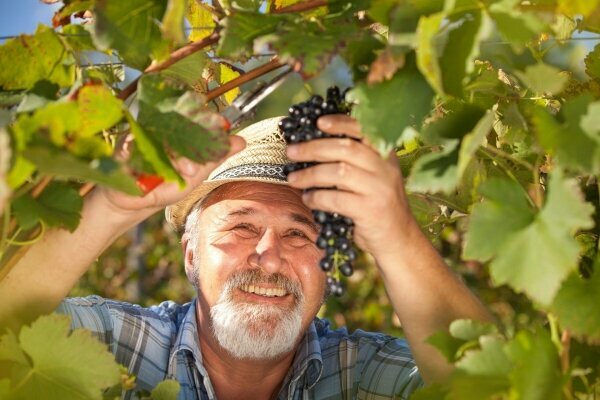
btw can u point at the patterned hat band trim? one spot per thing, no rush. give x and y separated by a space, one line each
273 171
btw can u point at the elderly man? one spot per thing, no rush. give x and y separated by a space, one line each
249 245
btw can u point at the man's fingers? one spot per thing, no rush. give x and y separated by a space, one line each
342 175
329 150
340 124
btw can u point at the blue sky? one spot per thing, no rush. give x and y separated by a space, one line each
23 16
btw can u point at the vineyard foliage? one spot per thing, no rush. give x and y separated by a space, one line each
493 107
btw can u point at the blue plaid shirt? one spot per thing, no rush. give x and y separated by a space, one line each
161 342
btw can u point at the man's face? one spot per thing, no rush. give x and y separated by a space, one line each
257 266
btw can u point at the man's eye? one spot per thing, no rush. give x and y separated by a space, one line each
297 233
246 229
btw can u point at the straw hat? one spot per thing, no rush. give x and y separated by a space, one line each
262 160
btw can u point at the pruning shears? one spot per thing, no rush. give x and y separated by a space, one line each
242 108
244 105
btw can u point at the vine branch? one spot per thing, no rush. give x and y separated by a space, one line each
240 80
300 7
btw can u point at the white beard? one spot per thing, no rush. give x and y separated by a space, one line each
256 331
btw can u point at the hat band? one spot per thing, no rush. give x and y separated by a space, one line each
272 171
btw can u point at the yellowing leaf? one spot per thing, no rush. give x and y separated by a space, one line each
201 20
578 7
48 363
226 73
98 108
28 59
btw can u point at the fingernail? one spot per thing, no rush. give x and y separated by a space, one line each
324 123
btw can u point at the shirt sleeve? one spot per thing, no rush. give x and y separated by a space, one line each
391 371
91 313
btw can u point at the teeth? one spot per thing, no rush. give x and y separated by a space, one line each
268 292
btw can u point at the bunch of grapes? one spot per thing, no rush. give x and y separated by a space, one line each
335 236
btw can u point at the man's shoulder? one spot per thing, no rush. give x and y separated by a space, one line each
167 312
328 335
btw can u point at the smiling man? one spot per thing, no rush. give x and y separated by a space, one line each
249 244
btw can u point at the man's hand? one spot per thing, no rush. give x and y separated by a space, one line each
370 189
168 192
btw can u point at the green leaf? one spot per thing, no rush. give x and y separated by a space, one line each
28 59
384 110
447 344
5 389
58 365
492 222
172 24
201 20
476 387
78 37
73 124
59 205
153 152
436 172
130 28
430 392
467 329
543 79
310 43
461 119
42 93
447 49
576 305
427 52
63 165
361 54
531 257
574 147
592 62
472 141
516 26
188 70
166 390
536 375
178 121
20 172
241 28
489 360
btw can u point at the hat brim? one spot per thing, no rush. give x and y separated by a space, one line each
177 213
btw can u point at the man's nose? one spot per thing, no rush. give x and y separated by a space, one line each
268 252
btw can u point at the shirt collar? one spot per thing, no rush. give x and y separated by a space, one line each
187 339
308 360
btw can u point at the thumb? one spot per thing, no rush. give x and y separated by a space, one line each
236 143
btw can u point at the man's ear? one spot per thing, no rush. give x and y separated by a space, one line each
188 251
